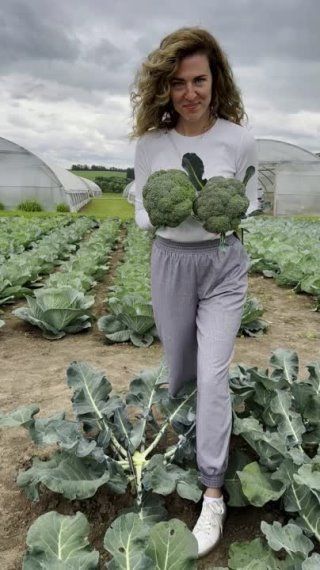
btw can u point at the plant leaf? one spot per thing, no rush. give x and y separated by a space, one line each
237 461
290 426
258 486
249 173
252 555
22 416
269 445
71 476
286 364
312 563
172 545
150 511
309 475
126 540
314 375
299 498
289 537
60 542
91 391
193 164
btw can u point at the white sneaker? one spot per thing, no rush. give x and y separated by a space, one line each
209 527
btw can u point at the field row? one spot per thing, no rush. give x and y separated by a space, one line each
287 250
59 304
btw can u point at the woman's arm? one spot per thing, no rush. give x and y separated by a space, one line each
248 156
141 174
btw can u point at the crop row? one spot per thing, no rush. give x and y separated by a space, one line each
129 304
61 306
16 234
287 250
129 301
20 271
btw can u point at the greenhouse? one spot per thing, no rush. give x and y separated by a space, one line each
289 178
23 175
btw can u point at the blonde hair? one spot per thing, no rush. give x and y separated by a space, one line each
150 91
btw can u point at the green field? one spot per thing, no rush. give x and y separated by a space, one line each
109 205
92 174
45 214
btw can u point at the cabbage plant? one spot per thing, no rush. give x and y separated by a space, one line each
57 311
131 319
251 322
286 250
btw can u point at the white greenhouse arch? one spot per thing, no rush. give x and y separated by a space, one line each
24 175
289 177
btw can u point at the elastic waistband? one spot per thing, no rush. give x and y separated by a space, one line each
192 246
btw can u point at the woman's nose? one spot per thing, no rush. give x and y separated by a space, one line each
190 91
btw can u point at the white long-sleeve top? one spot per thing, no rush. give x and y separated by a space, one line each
226 149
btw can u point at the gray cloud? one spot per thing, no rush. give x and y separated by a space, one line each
66 68
26 34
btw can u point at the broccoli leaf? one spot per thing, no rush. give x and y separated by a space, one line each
193 164
249 172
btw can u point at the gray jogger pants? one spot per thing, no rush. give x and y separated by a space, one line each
198 292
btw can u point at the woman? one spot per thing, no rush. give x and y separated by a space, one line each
185 100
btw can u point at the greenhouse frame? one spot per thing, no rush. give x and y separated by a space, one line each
289 178
24 175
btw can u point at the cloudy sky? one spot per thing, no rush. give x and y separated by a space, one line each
67 66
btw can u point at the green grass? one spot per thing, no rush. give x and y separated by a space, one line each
106 206
92 174
109 206
13 213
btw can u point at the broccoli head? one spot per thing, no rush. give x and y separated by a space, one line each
168 197
221 204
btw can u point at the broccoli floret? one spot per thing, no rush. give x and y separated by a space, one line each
217 224
168 197
237 206
221 204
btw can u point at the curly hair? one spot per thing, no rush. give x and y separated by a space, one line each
150 91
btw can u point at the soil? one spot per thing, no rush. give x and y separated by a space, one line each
32 370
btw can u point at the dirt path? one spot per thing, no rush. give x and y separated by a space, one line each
32 370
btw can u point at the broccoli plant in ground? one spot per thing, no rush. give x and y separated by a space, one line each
58 541
103 446
129 298
115 442
279 420
261 553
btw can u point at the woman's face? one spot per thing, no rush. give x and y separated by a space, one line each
191 88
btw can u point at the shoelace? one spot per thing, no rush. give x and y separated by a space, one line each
210 517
